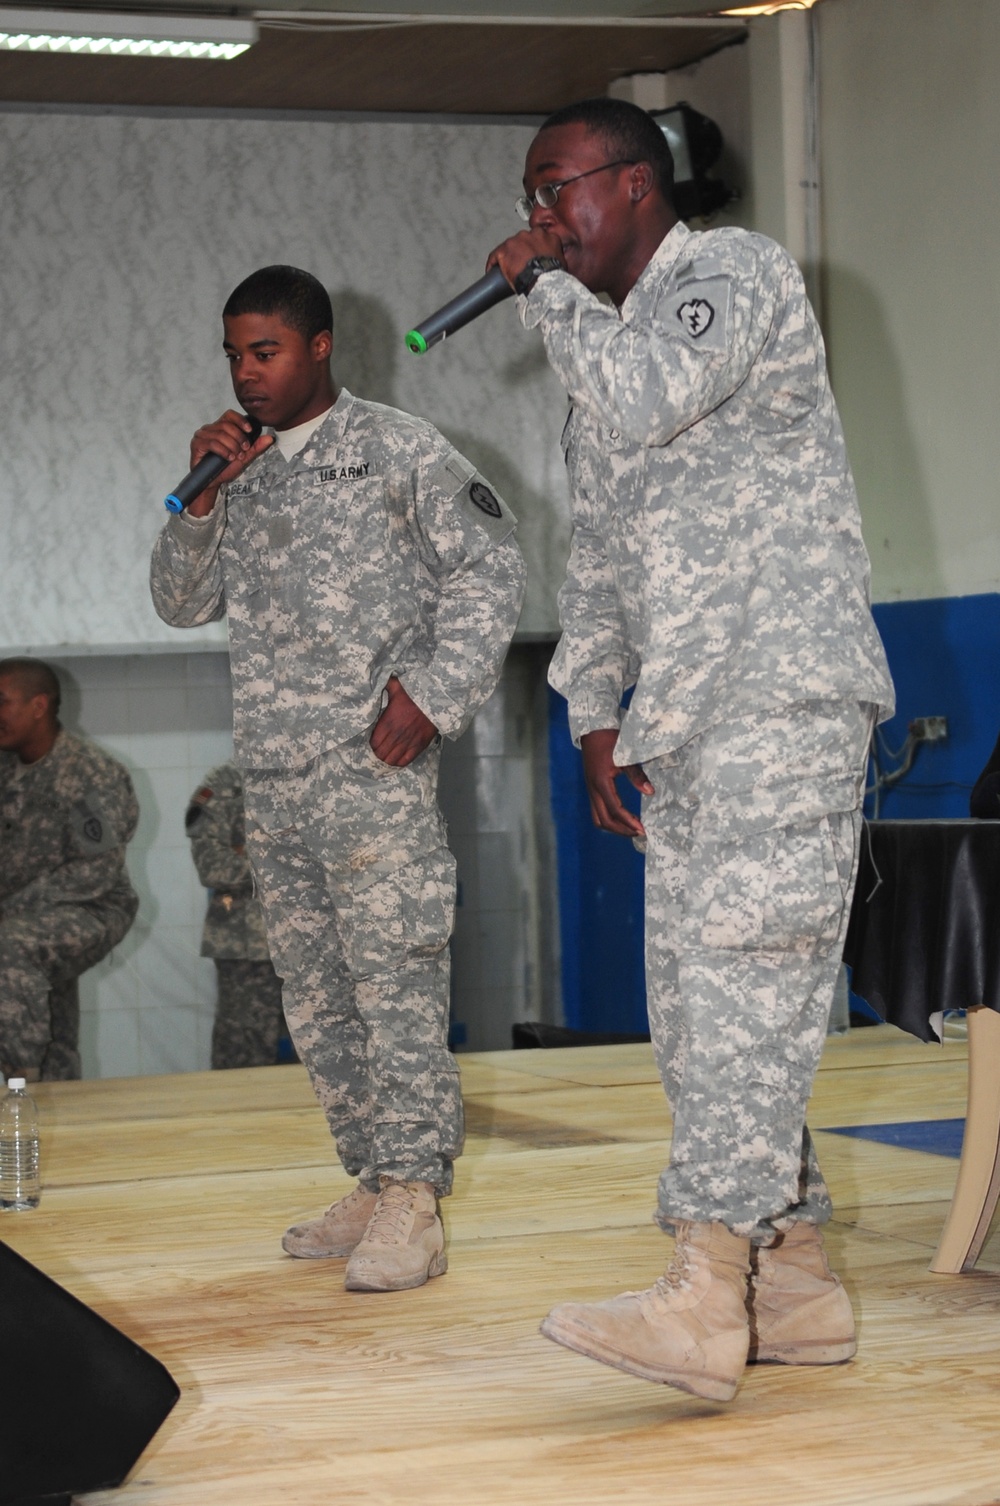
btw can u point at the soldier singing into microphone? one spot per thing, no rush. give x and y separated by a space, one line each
372 584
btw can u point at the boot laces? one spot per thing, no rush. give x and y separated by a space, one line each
676 1276
344 1203
392 1210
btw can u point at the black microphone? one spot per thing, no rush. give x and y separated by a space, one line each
204 473
489 290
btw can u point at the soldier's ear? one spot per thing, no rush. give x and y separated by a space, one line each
641 181
321 346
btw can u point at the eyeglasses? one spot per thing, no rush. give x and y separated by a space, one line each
546 194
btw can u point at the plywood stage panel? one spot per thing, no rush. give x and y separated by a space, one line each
164 1204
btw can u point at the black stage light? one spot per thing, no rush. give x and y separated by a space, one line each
695 144
79 1400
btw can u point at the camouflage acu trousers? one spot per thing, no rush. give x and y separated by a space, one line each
248 1017
358 890
41 951
61 1062
752 848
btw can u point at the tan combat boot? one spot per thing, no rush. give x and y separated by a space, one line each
338 1230
404 1243
799 1311
690 1330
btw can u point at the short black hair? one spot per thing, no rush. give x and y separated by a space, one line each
298 297
34 677
626 130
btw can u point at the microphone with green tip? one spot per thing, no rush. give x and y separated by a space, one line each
491 289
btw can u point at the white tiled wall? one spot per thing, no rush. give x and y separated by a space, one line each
148 1007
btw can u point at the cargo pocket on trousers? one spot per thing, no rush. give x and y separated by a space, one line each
782 890
406 913
360 756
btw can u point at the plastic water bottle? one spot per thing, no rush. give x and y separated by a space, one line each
19 1184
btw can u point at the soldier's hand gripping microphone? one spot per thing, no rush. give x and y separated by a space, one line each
203 474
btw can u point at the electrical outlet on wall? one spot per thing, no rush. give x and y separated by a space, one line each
929 729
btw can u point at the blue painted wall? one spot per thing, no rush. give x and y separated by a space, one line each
600 899
945 660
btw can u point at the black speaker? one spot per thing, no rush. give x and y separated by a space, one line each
79 1401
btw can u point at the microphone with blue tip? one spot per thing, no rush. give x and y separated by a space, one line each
204 473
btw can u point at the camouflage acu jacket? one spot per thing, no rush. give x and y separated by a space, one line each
65 822
234 925
717 561
377 550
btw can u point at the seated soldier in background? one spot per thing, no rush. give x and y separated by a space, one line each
248 1013
984 802
67 811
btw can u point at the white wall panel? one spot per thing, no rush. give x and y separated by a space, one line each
910 116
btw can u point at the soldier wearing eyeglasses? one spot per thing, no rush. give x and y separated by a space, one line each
718 569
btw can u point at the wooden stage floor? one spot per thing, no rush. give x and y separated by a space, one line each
164 1203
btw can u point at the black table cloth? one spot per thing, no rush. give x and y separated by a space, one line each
924 933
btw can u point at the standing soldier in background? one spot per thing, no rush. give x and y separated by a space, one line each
248 1017
67 811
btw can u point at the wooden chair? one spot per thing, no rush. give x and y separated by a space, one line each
978 1186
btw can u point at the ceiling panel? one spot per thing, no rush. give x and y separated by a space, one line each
491 69
466 9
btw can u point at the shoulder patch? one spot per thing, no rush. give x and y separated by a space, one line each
701 311
483 498
457 477
484 508
697 315
196 806
92 830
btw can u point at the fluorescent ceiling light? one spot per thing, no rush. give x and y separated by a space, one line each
97 34
769 7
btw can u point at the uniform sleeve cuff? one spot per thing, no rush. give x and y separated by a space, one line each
196 533
593 716
552 290
449 718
